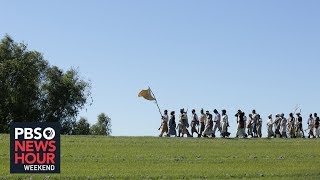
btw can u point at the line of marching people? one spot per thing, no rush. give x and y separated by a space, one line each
292 127
207 125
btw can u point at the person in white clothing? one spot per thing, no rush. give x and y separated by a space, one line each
245 123
216 121
270 132
164 124
283 127
224 124
209 124
311 126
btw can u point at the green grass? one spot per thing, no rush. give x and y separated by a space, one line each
99 157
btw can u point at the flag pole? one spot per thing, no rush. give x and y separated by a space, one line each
156 102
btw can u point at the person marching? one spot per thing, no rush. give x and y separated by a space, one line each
224 124
203 119
270 123
209 124
164 124
283 128
216 121
277 125
249 126
180 125
254 123
291 126
172 124
311 126
316 125
299 128
240 121
194 123
184 123
259 126
245 124
237 117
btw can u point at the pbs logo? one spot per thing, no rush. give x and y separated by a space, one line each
35 133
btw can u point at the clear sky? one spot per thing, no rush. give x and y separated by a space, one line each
262 55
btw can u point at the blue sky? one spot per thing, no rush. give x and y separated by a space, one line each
255 54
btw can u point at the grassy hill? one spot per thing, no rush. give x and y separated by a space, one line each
172 158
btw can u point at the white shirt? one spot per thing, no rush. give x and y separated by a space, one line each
311 122
270 122
217 118
165 118
255 118
203 118
225 119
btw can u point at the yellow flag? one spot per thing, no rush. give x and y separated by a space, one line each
146 94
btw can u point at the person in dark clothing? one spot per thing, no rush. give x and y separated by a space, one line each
194 123
241 124
291 124
316 125
299 128
203 119
172 124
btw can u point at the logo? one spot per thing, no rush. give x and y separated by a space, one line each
34 147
